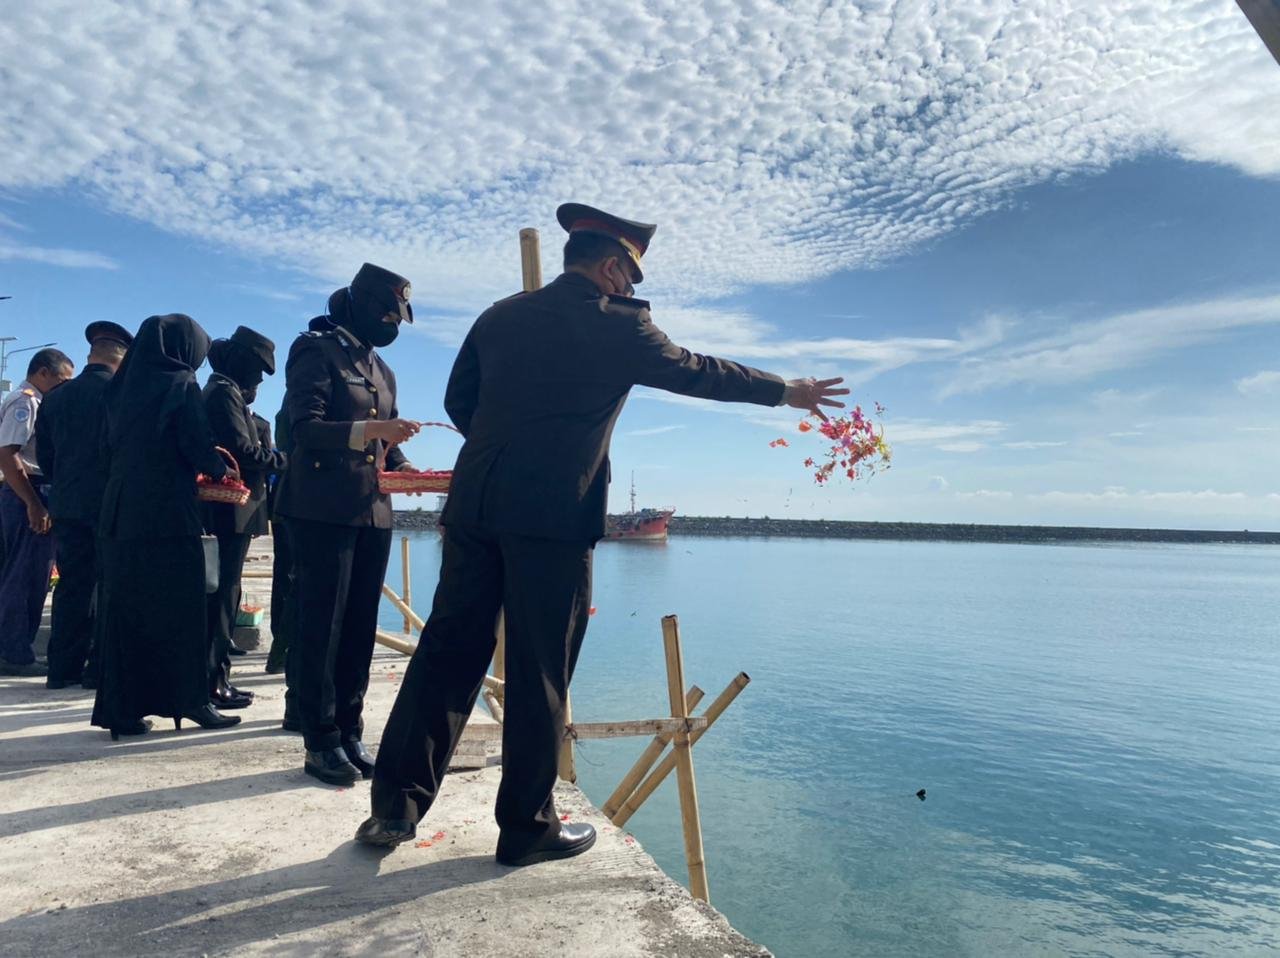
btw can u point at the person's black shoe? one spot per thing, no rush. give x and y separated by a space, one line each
331 765
247 693
571 840
208 717
140 727
52 683
223 698
359 756
234 649
386 832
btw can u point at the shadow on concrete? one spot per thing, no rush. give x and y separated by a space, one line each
337 896
13 721
91 744
155 799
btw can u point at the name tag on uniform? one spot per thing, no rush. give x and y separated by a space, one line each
352 379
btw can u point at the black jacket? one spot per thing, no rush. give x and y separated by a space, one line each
151 482
234 430
69 445
536 390
331 382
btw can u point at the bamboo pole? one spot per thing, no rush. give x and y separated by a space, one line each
690 817
396 642
659 774
567 769
495 707
399 603
500 649
408 587
598 730
645 762
530 259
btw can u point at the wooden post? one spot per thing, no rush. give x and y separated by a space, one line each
500 652
399 603
495 707
530 259
656 777
645 762
407 594
683 752
568 771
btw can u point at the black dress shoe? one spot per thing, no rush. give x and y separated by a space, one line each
247 693
234 649
571 840
386 832
208 717
331 765
223 698
140 727
359 756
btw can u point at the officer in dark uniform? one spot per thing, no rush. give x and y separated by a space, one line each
536 390
73 460
239 364
340 399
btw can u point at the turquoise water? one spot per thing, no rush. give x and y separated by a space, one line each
1095 727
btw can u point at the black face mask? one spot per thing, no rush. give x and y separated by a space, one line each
369 319
237 364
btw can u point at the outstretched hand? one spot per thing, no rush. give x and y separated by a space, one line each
811 394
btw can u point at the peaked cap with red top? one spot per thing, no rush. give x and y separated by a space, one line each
631 236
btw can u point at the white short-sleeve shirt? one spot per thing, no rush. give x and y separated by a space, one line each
18 423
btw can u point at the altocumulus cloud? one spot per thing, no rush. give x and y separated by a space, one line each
806 137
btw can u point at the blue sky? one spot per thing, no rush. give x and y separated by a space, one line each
1042 235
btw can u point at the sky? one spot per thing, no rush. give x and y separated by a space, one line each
1043 235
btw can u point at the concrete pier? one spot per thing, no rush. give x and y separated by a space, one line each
215 843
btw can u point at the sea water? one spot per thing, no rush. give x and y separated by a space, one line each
1094 728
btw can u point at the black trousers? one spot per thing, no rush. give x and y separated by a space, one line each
545 587
283 613
223 605
72 649
338 574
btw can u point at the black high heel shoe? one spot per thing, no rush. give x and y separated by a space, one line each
140 727
208 717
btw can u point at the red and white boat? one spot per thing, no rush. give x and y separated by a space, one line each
639 525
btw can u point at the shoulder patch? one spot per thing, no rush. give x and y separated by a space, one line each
22 414
623 306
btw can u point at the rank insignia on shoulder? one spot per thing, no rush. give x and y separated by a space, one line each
623 305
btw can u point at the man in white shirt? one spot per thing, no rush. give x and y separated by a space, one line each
24 515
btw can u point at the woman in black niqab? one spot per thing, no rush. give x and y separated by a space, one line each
152 601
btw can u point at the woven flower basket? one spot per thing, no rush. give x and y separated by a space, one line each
231 491
414 481
429 480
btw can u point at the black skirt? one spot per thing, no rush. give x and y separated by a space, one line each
153 630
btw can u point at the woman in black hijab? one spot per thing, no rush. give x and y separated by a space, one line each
153 589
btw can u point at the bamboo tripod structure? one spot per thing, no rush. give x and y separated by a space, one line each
681 731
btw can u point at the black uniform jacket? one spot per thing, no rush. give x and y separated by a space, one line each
536 390
151 478
331 382
69 445
234 430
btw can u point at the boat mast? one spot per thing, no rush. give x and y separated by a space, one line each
633 492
